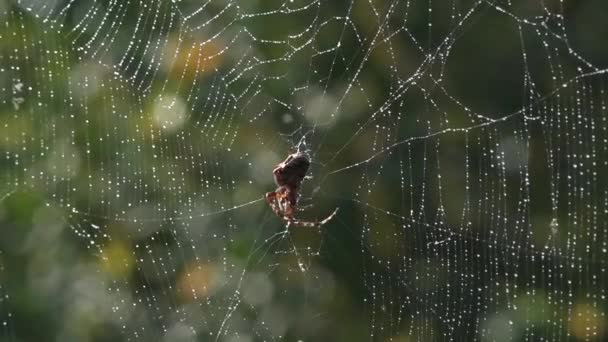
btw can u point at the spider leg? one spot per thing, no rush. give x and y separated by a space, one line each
271 198
310 224
282 204
304 207
328 218
305 203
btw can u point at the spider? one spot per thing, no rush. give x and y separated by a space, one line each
289 175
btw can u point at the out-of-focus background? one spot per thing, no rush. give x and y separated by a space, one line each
464 143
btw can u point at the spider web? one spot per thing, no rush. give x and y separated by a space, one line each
463 141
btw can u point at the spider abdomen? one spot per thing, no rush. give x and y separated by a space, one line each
292 171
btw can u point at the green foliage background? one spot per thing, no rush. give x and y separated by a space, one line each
468 161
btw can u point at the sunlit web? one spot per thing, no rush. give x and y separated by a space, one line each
464 141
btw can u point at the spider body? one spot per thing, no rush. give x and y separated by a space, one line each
289 175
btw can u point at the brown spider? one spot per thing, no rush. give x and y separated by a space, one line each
284 200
